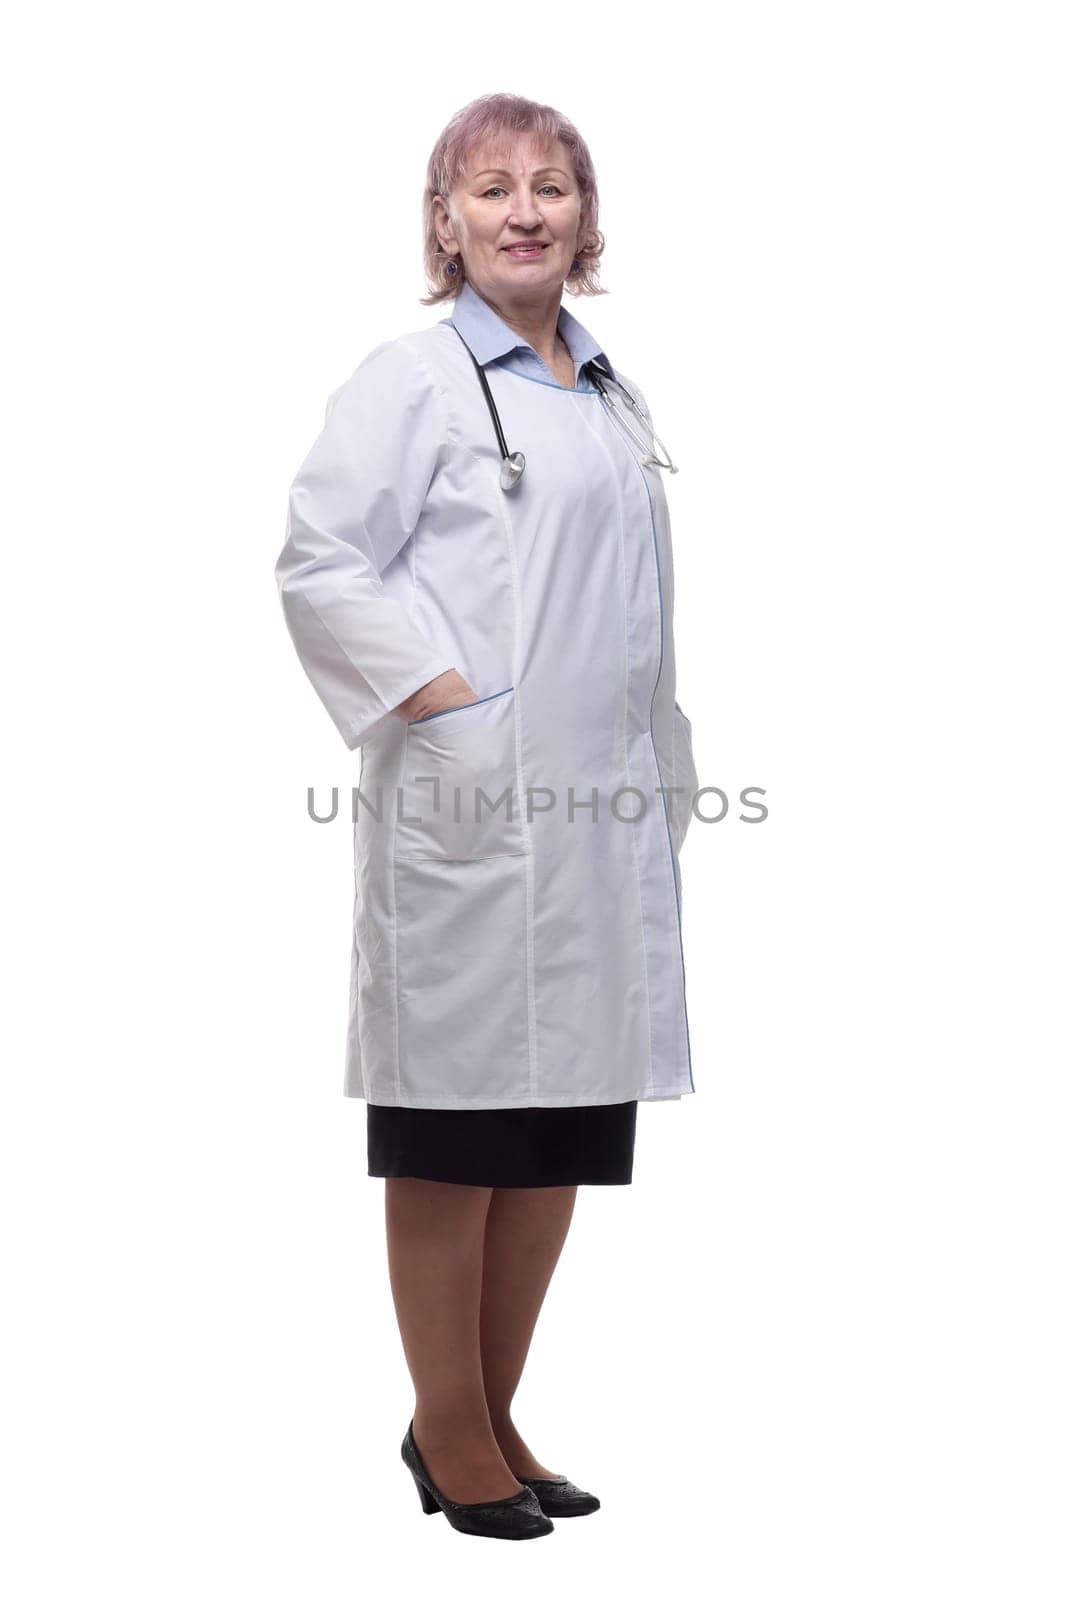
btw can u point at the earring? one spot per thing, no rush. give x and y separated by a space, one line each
576 265
452 268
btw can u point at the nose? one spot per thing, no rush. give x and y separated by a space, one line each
525 213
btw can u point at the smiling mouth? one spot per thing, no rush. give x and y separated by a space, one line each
524 249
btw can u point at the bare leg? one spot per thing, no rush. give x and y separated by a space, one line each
435 1233
524 1234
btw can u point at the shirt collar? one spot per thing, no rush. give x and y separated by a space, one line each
489 337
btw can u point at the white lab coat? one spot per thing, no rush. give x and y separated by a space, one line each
525 960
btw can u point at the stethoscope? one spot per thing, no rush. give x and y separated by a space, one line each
513 463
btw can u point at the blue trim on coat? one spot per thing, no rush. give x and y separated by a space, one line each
448 711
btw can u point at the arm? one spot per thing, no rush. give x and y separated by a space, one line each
354 504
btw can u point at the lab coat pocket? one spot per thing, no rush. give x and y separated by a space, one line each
459 795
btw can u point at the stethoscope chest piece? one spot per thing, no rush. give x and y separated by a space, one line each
511 469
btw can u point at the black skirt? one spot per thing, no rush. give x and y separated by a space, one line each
522 1147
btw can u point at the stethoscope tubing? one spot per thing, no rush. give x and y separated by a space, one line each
513 463
601 379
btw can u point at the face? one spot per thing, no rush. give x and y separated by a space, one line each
532 198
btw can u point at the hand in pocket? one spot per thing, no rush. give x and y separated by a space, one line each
443 693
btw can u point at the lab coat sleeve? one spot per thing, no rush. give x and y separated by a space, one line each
354 504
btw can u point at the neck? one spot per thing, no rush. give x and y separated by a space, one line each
534 320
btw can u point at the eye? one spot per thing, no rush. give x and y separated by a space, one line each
497 189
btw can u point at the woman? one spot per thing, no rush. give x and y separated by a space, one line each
487 617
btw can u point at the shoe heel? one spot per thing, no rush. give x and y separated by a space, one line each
511 1516
428 1502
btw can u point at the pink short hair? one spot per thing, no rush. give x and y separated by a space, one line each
492 120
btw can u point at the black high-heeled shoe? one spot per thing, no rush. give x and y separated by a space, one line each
516 1516
559 1497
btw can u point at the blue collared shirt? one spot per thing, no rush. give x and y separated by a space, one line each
491 340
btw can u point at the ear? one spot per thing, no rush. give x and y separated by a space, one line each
442 226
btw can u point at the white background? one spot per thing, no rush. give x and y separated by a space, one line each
817 1347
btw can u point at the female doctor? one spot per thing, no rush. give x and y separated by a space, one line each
478 580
